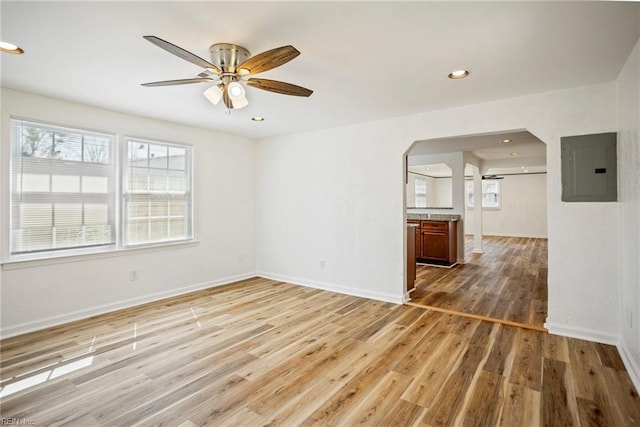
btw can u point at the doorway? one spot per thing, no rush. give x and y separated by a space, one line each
501 273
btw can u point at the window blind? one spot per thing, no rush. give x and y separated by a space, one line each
158 194
420 187
63 187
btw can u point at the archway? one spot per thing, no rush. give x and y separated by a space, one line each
501 271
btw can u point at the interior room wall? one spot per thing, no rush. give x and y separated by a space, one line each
628 91
438 192
455 198
443 192
523 210
42 293
353 217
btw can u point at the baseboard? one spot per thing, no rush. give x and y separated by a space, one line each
531 236
393 298
49 322
581 333
629 362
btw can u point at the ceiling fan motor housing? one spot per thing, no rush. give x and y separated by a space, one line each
228 56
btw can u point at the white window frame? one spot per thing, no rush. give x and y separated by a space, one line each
118 151
469 195
126 195
60 169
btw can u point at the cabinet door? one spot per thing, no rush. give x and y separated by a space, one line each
418 242
435 245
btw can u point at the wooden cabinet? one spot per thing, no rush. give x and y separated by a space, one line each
411 256
438 242
418 239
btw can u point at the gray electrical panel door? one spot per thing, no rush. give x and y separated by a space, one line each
589 172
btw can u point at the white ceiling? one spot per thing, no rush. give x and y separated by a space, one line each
364 60
524 152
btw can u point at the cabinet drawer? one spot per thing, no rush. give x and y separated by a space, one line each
435 225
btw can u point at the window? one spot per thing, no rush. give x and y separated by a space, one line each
65 185
490 193
420 187
62 188
157 191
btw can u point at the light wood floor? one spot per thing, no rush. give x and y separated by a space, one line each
266 353
508 281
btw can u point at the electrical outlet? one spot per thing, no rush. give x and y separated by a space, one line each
322 264
133 275
240 258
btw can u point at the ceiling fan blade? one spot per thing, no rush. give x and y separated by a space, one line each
178 82
279 87
267 60
181 53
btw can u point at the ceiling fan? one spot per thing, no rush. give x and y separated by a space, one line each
231 66
492 177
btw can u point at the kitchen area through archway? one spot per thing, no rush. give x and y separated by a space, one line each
479 256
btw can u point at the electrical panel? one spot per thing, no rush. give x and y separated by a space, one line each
589 168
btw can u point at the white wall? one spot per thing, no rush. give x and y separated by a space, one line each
628 90
443 192
523 211
347 207
439 191
39 294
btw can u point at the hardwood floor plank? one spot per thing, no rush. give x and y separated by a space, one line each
484 408
502 352
521 407
507 282
527 362
556 406
261 352
450 401
403 414
379 401
297 411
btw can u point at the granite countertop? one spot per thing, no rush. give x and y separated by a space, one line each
433 217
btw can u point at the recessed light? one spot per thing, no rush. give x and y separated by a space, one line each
10 48
458 74
257 119
505 141
526 170
514 153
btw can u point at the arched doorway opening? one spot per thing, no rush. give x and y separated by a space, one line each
498 203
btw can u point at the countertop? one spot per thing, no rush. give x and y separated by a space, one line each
432 217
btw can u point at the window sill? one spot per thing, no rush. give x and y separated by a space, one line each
14 264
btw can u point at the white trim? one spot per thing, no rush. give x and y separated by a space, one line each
49 322
581 333
379 296
629 362
532 236
49 258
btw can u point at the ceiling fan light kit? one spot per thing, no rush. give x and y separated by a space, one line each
10 48
213 94
230 69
